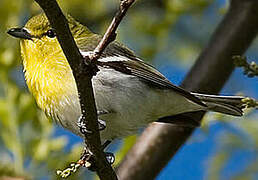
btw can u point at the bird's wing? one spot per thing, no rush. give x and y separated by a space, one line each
147 73
120 58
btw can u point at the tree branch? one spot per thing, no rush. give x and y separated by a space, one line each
83 74
160 142
110 34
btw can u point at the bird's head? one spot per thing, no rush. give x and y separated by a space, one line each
43 59
39 39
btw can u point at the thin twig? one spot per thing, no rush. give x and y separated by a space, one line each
110 34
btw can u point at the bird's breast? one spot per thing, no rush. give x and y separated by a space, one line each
48 77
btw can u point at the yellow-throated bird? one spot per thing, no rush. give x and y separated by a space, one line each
129 93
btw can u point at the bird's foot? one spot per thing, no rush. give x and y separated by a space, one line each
102 124
110 157
81 124
83 128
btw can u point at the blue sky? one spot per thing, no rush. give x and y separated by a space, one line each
191 162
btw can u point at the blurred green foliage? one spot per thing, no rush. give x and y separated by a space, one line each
28 147
240 138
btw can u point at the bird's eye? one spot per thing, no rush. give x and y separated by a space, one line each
51 33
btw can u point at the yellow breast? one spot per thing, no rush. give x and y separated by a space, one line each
47 73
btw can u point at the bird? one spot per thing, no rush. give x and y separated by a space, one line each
129 93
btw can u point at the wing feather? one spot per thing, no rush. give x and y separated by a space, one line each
149 75
122 59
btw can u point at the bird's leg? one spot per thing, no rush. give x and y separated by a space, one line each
109 156
101 123
87 158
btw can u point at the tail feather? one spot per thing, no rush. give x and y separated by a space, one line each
232 105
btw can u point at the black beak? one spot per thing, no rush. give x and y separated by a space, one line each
20 33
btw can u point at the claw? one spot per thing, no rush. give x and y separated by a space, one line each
110 157
102 124
82 126
102 112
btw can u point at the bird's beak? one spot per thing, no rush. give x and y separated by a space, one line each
20 33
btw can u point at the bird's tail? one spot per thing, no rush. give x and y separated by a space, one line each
232 105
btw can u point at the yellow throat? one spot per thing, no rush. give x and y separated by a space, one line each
47 72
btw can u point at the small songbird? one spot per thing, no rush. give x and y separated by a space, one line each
129 93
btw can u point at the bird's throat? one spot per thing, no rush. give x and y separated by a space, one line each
49 78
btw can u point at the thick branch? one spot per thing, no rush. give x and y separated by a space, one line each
160 142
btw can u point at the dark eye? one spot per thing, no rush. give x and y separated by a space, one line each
51 33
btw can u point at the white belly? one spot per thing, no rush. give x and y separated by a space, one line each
130 102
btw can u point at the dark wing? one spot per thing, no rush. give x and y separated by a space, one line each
134 66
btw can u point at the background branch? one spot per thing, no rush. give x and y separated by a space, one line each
160 142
